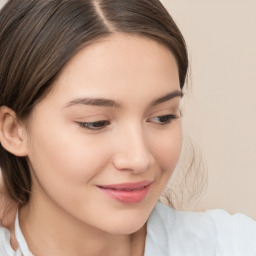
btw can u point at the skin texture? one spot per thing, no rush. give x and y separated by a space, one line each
68 162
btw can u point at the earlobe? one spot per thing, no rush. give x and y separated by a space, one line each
12 133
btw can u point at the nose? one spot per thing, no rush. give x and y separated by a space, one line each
133 152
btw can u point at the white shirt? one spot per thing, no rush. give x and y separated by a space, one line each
176 233
214 232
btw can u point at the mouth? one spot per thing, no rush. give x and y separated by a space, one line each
129 193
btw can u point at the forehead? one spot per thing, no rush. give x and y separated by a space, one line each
121 64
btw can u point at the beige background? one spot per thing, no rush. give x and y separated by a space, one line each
220 108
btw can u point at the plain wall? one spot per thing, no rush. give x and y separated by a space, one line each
220 109
2 2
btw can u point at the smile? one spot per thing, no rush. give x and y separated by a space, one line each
129 193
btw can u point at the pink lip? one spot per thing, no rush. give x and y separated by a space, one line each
127 192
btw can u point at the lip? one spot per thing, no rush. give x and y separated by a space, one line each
129 193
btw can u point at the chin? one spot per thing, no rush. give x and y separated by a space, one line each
127 224
126 229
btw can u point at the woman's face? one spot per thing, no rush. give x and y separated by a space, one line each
104 142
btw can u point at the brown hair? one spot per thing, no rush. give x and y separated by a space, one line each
38 37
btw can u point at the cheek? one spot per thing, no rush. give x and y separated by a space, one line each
64 168
168 148
60 155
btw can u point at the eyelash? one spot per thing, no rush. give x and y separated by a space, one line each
167 119
100 125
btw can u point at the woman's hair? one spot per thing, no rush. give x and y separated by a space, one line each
38 37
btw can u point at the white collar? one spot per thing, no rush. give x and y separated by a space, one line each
23 247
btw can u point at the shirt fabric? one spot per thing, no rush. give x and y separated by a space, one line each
178 233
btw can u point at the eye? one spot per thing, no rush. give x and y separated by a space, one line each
164 119
98 125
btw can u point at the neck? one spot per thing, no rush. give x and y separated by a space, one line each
51 231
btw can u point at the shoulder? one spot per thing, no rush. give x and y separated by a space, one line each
213 232
5 247
172 232
237 231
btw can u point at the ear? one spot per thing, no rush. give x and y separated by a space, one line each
12 132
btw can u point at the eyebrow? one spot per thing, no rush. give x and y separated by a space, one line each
102 102
167 97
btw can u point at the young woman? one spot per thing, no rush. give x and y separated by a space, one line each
90 133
